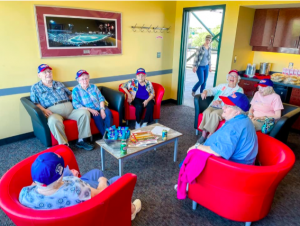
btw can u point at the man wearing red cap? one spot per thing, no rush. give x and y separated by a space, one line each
55 101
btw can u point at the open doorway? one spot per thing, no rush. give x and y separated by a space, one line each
197 24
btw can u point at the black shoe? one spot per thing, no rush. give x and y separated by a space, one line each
84 145
201 140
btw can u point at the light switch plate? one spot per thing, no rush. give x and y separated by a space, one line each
158 54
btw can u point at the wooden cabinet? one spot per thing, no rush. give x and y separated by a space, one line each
295 100
248 87
264 27
288 28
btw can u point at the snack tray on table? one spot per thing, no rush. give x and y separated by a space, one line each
115 144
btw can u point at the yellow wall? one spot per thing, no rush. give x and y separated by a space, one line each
228 37
19 56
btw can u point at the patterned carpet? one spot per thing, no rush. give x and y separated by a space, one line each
157 174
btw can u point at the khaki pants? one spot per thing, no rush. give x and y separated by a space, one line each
66 111
258 125
211 119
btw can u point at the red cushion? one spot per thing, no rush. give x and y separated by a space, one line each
200 120
72 130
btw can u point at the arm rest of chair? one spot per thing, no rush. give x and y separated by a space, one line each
159 95
115 100
200 106
35 113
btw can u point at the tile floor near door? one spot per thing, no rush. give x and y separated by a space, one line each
190 80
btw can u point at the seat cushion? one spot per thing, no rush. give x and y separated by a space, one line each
200 120
72 130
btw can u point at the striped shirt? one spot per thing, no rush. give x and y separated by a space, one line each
90 98
200 54
48 96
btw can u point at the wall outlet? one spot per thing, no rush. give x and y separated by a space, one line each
158 54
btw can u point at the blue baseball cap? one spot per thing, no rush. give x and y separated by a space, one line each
80 72
265 83
237 99
140 71
47 168
43 67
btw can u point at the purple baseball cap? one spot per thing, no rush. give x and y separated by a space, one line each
237 99
47 168
43 67
80 72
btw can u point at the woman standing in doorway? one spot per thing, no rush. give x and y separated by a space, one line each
202 64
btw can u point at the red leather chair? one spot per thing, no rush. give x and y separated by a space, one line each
111 207
242 192
130 109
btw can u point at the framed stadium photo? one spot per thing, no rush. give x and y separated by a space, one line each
64 32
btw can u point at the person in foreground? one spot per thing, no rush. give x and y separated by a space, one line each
265 104
236 140
140 94
213 114
54 100
88 96
56 187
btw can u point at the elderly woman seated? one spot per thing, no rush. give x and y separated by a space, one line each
56 187
88 96
265 104
213 114
140 94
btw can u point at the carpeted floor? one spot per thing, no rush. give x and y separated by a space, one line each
157 174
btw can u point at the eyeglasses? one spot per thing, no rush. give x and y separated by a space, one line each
83 79
235 76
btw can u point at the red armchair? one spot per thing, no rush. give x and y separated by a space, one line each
241 192
111 207
130 109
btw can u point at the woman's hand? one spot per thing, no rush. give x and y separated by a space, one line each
210 70
94 112
204 94
129 98
194 69
103 115
259 118
145 103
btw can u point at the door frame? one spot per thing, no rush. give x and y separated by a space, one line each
183 46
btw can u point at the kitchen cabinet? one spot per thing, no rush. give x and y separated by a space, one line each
288 28
295 100
264 27
248 87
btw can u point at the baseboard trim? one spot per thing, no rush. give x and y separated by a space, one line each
169 101
16 138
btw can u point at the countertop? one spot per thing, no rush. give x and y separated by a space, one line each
276 83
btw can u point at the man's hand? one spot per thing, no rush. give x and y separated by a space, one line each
216 103
75 172
145 103
194 69
204 94
102 179
94 112
47 112
103 115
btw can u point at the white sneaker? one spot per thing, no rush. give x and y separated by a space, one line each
137 125
175 187
138 206
144 124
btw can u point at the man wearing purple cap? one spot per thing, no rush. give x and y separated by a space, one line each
236 140
54 99
55 187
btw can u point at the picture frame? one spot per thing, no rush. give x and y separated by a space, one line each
66 32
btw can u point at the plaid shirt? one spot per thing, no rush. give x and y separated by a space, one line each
199 55
133 85
90 98
48 96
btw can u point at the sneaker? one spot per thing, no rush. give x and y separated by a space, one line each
137 125
175 187
144 124
138 206
187 187
84 145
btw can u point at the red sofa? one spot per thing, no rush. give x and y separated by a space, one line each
111 207
130 109
242 192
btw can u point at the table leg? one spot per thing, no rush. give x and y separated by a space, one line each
120 167
102 158
175 149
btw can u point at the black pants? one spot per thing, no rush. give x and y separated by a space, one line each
139 107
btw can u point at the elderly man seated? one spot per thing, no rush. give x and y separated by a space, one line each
55 101
55 187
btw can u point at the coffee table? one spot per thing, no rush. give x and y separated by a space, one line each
134 151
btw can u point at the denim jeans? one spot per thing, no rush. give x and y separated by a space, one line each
103 124
202 73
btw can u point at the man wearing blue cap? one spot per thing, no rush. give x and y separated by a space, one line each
236 140
54 99
55 187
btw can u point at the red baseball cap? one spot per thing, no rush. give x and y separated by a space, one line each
234 71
